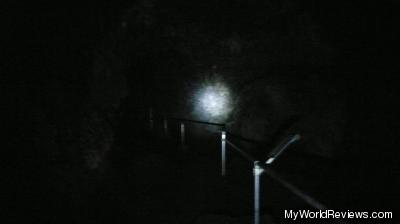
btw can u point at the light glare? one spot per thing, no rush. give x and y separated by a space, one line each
214 102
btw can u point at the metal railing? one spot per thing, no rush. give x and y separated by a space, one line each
259 167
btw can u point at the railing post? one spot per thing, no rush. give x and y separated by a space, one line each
151 122
223 153
182 134
257 172
165 126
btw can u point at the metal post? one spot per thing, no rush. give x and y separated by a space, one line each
151 122
165 126
182 134
223 153
257 171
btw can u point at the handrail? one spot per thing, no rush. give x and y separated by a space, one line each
243 153
295 190
258 167
241 138
275 153
198 122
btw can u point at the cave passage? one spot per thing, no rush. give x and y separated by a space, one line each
100 92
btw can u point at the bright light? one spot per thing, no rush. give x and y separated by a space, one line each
214 102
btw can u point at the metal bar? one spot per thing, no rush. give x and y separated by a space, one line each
257 171
305 197
244 154
223 153
198 122
241 138
151 122
308 199
165 126
182 134
282 147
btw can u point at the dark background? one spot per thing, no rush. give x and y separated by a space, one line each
49 49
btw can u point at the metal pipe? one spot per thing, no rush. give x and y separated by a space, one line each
296 191
282 147
182 134
244 154
151 122
223 153
257 171
165 126
198 122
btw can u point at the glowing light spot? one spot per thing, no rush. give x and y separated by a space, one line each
214 102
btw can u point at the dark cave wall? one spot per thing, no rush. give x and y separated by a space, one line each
58 92
67 66
271 55
64 84
166 50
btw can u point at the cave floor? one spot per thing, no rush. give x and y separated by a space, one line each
165 183
152 179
